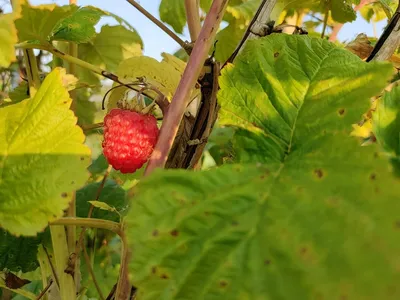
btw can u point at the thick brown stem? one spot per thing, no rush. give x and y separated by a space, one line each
389 40
256 27
192 71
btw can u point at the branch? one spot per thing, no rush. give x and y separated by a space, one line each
93 223
389 40
82 64
123 290
44 290
161 25
181 97
193 18
256 27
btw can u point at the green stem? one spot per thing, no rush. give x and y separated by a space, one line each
88 222
61 255
325 24
32 71
123 286
44 267
21 292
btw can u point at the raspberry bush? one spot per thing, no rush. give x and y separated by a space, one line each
259 161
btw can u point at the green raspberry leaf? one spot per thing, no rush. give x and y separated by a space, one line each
37 22
42 158
18 253
111 46
289 74
173 13
79 26
312 215
386 125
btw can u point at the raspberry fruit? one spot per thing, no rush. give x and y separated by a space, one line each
129 139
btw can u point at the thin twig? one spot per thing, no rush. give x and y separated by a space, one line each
80 63
90 269
92 126
160 24
256 27
71 212
325 23
53 269
192 71
193 18
79 244
45 290
389 40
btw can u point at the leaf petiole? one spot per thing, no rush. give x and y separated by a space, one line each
88 222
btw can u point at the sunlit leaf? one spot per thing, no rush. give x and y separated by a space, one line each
77 27
8 37
111 46
42 158
37 22
312 215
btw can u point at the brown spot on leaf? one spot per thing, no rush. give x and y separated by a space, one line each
64 195
155 232
391 290
175 232
319 173
341 111
276 54
164 276
82 158
397 224
267 262
154 270
303 250
372 176
223 283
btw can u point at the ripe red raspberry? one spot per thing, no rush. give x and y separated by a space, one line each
129 139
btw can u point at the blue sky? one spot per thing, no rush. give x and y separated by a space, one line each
156 41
